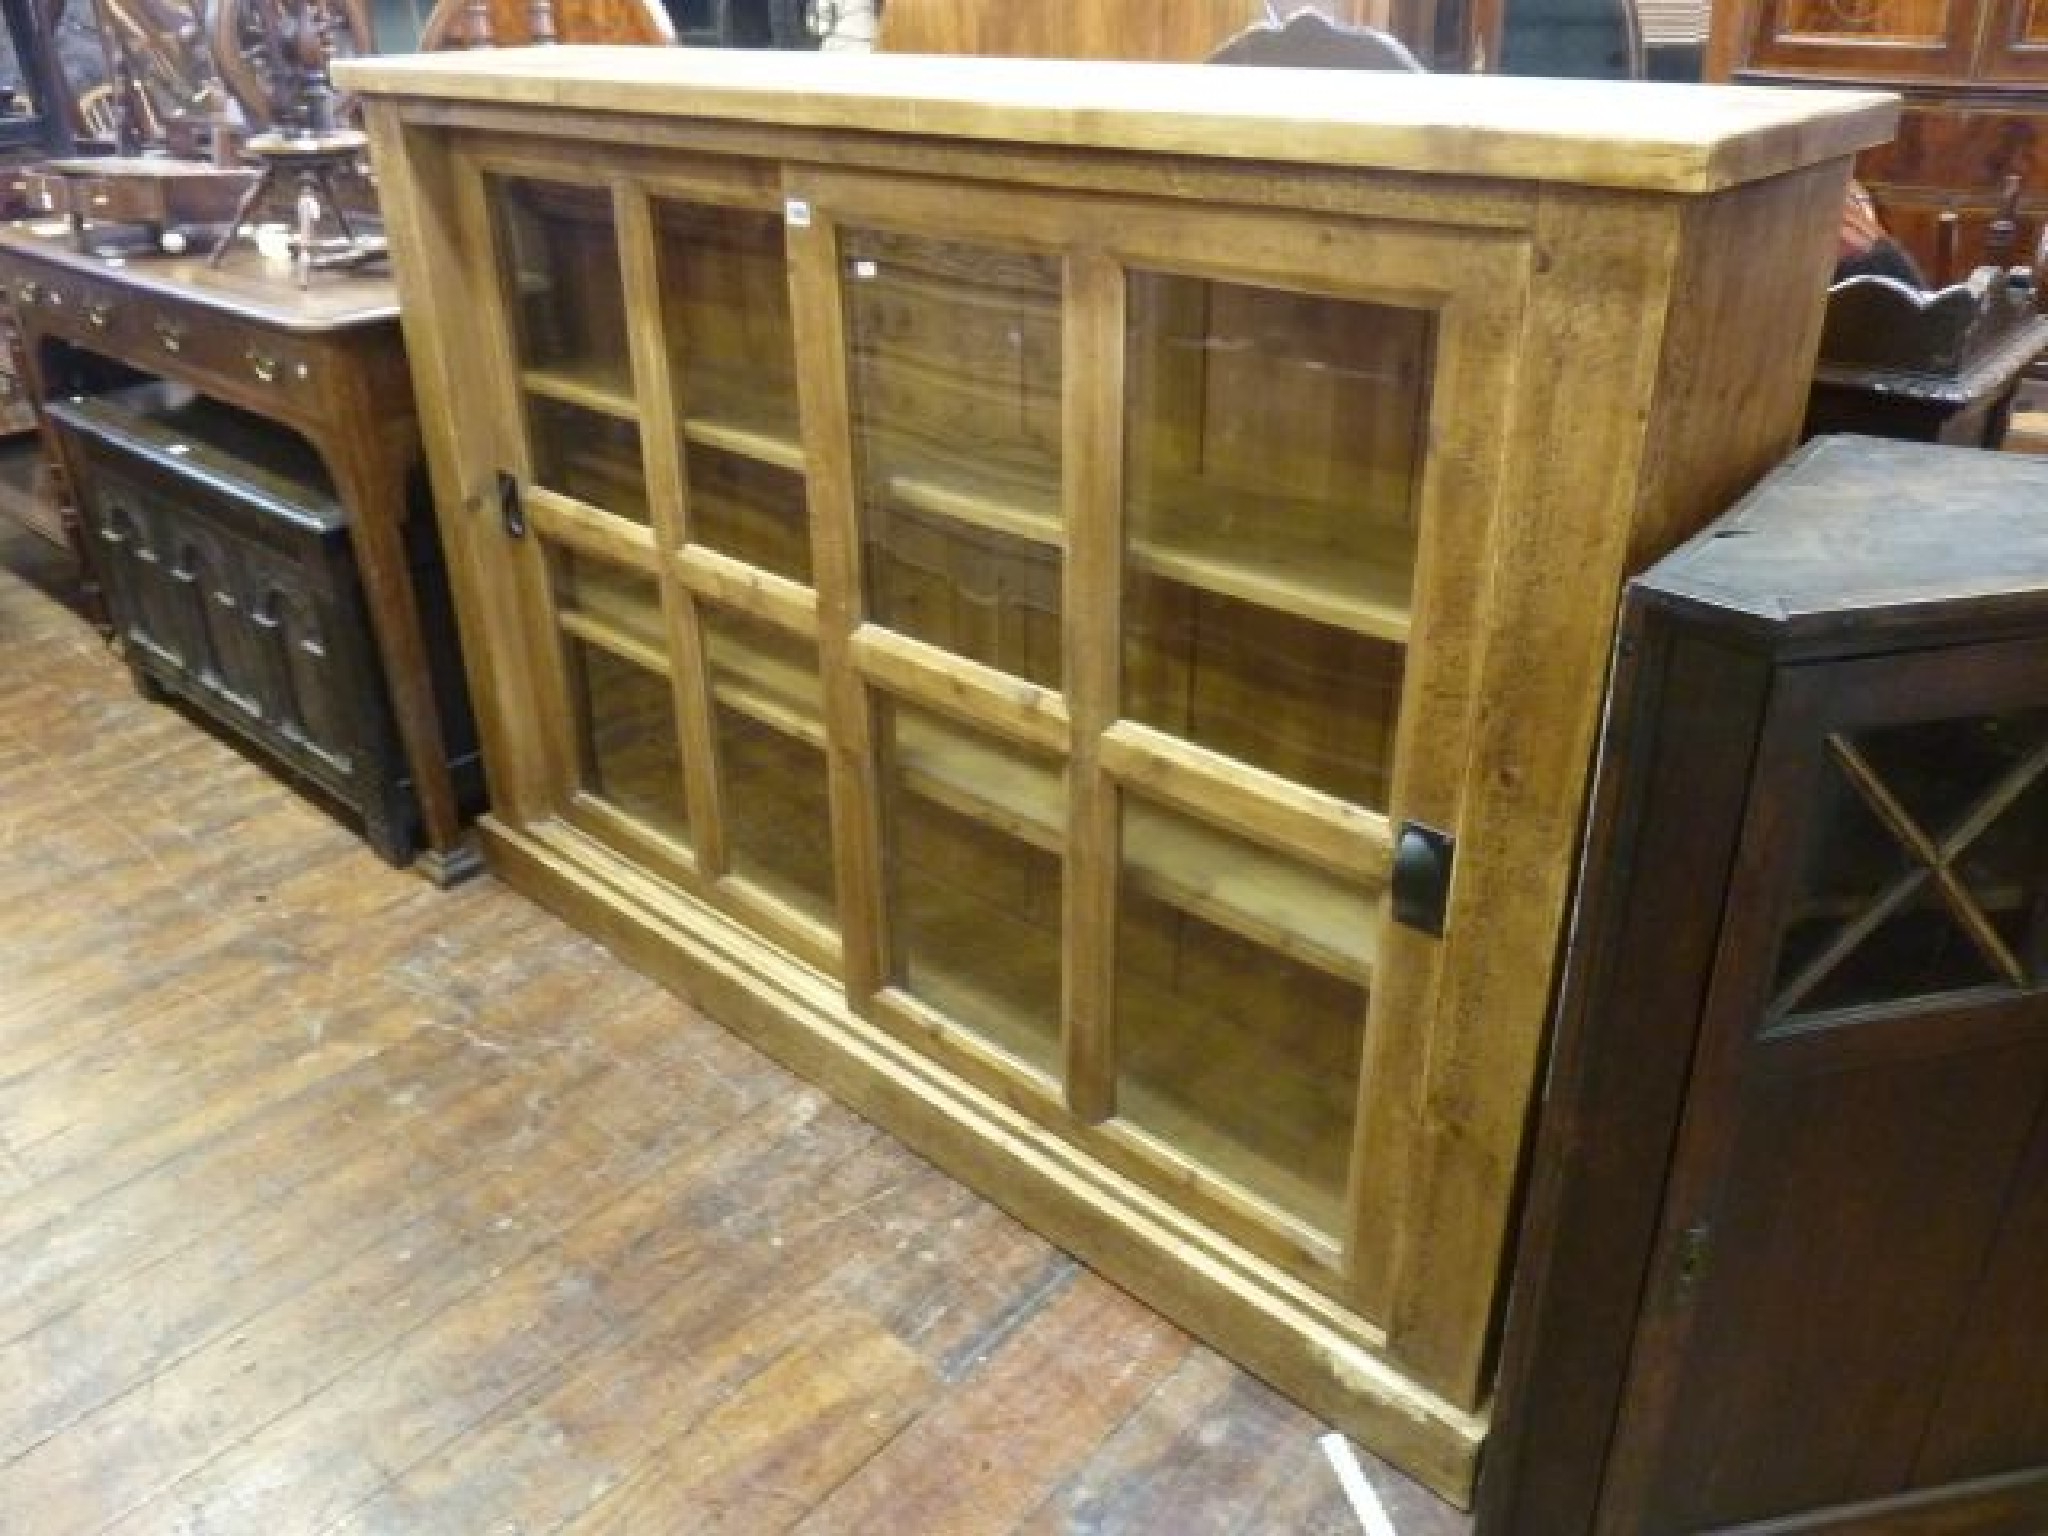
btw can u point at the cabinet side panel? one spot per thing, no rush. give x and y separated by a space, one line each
1670 790
1574 456
1741 339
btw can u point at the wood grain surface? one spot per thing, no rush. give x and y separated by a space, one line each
1617 134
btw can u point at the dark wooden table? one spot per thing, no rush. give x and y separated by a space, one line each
328 362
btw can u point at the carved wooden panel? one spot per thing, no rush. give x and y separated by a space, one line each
1918 39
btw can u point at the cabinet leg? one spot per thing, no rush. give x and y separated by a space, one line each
448 867
148 685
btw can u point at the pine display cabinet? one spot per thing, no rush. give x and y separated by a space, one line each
1069 602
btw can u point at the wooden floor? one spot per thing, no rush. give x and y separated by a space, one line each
331 1203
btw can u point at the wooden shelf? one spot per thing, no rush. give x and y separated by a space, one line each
1267 898
769 690
1298 911
599 481
1017 501
613 614
588 384
1014 794
741 418
620 642
779 825
1263 549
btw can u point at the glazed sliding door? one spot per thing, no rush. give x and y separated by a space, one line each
577 503
1305 495
655 508
1139 516
942 377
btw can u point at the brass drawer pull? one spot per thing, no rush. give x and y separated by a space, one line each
98 312
263 365
171 334
27 289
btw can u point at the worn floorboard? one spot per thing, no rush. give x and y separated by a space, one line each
330 1203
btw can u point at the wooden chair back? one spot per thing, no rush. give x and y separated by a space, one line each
1184 30
1310 40
515 23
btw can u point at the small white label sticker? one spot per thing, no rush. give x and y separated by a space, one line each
796 213
865 269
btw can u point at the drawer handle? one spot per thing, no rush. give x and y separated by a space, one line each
263 365
53 297
98 312
171 334
27 289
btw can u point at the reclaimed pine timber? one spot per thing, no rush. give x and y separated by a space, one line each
1191 461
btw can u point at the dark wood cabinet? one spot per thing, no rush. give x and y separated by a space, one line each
231 584
1787 1236
1975 77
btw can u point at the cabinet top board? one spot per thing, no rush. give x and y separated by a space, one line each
1668 138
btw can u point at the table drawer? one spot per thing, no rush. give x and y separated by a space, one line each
208 347
96 315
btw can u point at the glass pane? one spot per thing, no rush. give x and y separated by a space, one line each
588 455
1241 994
1916 951
612 598
767 711
2002 871
559 259
732 353
1273 455
626 729
1873 919
751 511
1308 701
979 594
1940 771
973 874
956 403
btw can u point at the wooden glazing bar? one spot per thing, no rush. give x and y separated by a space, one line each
1009 706
1342 838
748 589
567 521
667 495
1093 431
817 312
